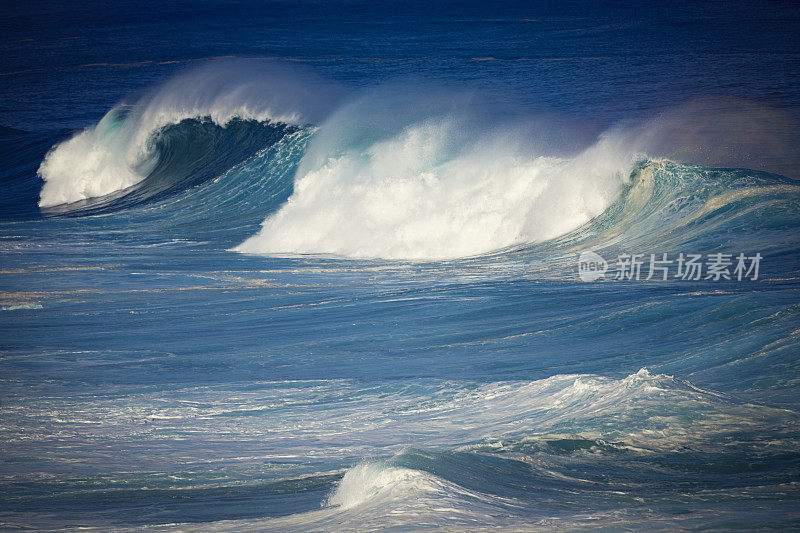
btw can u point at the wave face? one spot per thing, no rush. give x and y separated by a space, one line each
179 156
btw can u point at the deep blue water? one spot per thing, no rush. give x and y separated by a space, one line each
315 266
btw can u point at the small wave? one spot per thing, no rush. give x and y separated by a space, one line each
457 455
369 480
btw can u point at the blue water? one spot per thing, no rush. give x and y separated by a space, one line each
314 266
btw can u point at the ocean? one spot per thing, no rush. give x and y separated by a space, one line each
405 266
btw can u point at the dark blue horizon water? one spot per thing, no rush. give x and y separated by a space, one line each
313 266
605 63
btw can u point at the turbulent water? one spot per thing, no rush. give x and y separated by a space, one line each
248 297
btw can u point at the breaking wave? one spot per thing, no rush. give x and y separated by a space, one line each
442 187
128 144
403 173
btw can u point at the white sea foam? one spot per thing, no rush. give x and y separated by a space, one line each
439 187
23 306
95 162
424 177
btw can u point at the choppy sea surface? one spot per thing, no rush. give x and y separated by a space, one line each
314 266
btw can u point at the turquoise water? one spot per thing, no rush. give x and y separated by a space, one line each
247 294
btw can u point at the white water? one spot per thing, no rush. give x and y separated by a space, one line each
432 191
427 177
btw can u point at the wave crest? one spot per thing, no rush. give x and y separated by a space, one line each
442 187
120 151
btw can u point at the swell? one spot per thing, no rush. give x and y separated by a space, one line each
205 178
572 450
